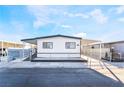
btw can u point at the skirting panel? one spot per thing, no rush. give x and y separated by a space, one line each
58 55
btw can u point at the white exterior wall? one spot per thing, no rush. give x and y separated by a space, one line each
59 49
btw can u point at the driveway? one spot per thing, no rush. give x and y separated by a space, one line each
28 64
54 77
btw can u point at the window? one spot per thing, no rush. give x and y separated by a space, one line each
48 45
70 45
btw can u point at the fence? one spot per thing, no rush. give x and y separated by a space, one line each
95 52
103 53
13 54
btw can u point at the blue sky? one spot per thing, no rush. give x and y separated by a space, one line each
93 22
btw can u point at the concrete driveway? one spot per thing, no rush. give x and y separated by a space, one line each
28 64
54 77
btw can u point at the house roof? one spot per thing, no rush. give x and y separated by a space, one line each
86 42
33 40
51 37
8 44
112 42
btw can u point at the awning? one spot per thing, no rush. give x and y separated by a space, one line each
33 41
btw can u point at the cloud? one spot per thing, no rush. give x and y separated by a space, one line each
45 15
112 35
81 34
41 14
13 31
66 26
120 19
11 37
18 26
76 15
95 14
117 10
120 9
98 16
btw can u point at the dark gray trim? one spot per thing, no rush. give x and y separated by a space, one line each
59 60
51 37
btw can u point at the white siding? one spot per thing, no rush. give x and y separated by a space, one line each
59 49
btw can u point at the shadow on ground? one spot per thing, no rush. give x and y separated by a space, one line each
54 77
116 64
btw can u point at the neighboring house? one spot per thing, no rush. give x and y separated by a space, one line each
10 50
116 49
4 45
56 46
113 51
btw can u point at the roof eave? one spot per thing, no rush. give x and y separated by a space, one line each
51 37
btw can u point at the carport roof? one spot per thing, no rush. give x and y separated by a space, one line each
34 40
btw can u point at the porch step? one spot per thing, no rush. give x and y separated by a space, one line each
58 60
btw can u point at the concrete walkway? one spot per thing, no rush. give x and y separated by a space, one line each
112 70
28 64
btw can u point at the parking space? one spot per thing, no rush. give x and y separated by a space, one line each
54 77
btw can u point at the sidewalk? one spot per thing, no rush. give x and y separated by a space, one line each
109 69
28 64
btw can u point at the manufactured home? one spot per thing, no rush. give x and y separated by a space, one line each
56 46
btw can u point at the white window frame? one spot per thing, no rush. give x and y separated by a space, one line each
70 47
